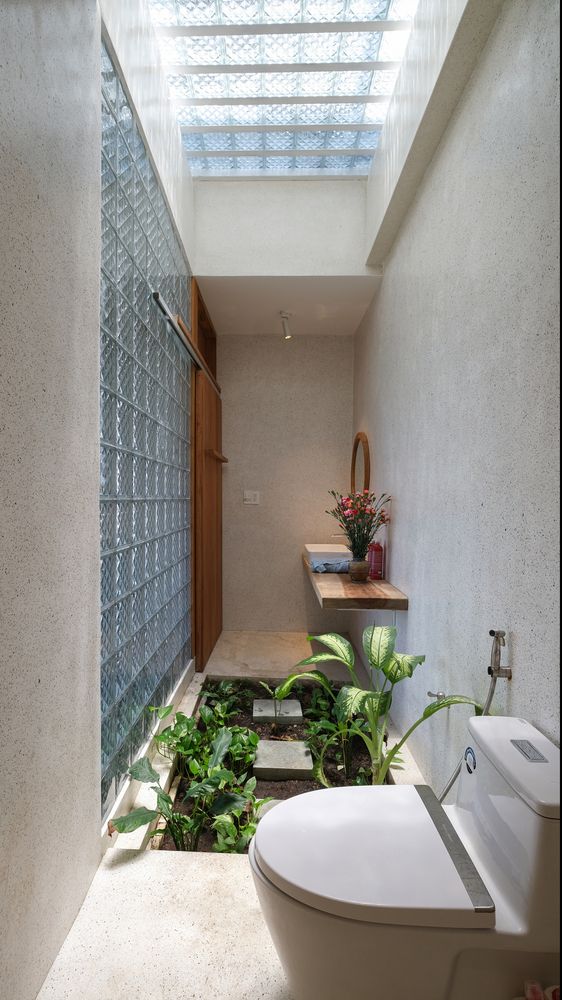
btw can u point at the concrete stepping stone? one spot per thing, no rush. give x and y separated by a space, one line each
289 712
267 807
283 760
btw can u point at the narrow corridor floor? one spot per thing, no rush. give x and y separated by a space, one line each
265 656
161 925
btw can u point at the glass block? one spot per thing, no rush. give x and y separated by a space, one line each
107 578
108 246
140 295
125 221
108 792
140 199
108 737
121 714
383 82
139 476
124 472
137 565
107 302
107 686
139 246
108 79
125 366
139 520
124 619
108 189
108 417
124 156
135 578
108 472
107 632
125 317
123 573
109 133
108 525
124 516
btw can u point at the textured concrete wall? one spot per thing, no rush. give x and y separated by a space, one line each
287 415
456 383
268 227
49 478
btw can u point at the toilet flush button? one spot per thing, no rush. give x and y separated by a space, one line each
529 752
252 498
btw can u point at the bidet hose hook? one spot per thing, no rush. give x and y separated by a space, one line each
495 670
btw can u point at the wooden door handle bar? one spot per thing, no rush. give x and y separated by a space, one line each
217 455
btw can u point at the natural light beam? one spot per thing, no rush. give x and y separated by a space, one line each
288 28
212 69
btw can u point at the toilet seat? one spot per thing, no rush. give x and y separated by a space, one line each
378 854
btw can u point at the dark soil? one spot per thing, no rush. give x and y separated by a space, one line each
270 731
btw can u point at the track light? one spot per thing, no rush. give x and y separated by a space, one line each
285 324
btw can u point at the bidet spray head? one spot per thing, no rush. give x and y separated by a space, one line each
495 669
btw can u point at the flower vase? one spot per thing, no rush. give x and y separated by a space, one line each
359 570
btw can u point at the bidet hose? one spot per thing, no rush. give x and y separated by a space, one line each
485 711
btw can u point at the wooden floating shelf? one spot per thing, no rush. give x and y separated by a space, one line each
335 590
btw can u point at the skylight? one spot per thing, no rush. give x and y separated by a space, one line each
281 87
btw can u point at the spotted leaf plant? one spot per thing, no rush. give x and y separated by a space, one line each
365 711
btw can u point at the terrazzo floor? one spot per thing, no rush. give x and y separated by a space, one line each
162 925
159 924
265 655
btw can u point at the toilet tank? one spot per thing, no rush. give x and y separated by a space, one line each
508 814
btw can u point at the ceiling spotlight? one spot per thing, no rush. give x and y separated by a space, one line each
285 324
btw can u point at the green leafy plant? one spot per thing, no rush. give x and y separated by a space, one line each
235 696
218 800
184 739
184 830
320 707
273 695
236 818
365 711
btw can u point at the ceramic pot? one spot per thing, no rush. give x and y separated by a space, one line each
359 570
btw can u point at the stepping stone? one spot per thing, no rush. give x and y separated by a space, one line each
289 712
283 760
263 810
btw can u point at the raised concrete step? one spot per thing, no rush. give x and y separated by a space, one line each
283 760
285 713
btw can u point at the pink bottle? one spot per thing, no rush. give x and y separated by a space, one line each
376 559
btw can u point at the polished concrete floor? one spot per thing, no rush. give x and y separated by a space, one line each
265 655
161 925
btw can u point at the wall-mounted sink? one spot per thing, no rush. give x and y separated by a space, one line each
327 553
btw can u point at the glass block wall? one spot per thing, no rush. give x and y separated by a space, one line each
145 445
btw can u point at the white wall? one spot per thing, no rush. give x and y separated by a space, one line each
49 478
276 227
445 42
456 384
133 39
287 416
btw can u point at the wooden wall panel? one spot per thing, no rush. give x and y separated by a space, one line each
207 462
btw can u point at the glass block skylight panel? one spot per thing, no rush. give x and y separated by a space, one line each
144 446
234 64
217 12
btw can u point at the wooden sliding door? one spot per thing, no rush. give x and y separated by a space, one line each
207 464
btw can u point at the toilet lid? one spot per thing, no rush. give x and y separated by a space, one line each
382 854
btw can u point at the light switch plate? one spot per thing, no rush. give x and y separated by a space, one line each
252 497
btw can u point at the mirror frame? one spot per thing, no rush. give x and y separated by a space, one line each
361 439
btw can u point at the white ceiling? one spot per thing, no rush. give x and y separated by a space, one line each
318 306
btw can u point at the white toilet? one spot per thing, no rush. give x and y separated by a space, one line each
375 893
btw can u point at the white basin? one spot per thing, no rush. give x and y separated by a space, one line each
327 553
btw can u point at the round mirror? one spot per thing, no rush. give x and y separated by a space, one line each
360 464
